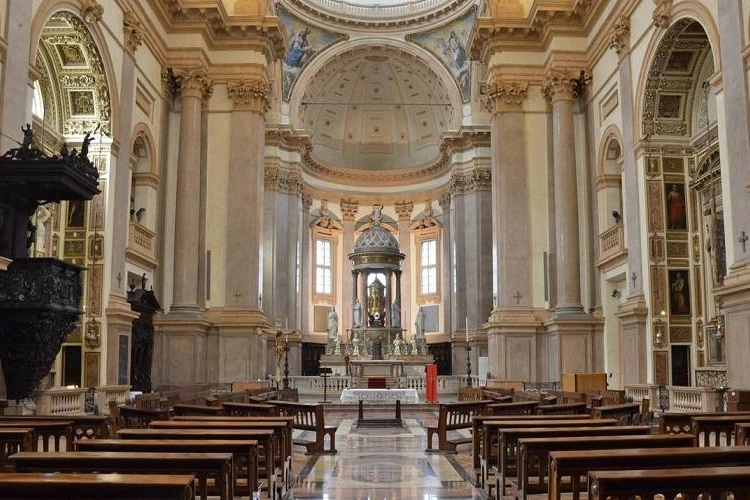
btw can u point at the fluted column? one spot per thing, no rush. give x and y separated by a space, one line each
192 84
245 193
404 210
559 88
349 210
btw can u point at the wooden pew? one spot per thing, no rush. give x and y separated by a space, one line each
506 459
471 394
719 425
265 438
250 410
13 440
309 417
84 426
47 435
623 413
533 453
201 465
578 463
491 428
579 408
679 423
453 417
128 417
244 453
63 486
477 437
512 408
183 409
710 482
742 434
282 427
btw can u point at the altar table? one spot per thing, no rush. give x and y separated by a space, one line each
379 395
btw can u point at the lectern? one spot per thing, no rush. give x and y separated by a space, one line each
325 372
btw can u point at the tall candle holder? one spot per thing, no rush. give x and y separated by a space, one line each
468 364
286 362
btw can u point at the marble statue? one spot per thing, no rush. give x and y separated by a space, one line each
414 348
419 324
357 314
395 315
333 323
397 343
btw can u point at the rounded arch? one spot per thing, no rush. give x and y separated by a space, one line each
47 9
611 135
311 70
688 9
142 131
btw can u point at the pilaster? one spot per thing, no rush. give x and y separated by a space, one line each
634 350
349 209
404 210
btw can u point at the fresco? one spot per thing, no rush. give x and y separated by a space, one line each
448 43
305 42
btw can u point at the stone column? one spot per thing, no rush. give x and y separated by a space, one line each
512 329
305 264
192 84
349 210
241 323
734 132
446 276
559 88
404 210
17 88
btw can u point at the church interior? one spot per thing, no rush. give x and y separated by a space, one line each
397 216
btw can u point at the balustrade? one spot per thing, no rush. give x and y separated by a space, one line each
61 401
611 243
385 9
141 240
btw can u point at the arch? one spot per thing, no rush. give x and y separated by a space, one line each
611 133
142 131
49 8
311 70
688 9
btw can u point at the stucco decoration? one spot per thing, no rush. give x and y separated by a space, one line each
449 44
305 42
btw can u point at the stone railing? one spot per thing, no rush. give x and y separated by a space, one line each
141 240
611 243
681 399
447 384
61 401
384 9
105 394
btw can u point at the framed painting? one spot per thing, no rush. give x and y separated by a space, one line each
679 292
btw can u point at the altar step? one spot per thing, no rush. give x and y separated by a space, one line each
377 383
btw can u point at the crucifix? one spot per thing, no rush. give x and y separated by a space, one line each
119 280
518 297
633 278
236 294
743 240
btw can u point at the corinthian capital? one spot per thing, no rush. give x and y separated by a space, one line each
619 35
133 31
251 95
502 96
188 82
560 86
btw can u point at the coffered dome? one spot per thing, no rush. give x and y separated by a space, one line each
377 108
376 240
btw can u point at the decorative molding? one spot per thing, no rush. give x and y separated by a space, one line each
283 180
133 31
478 179
619 35
91 11
306 201
187 82
404 210
349 209
559 85
445 201
252 95
503 95
662 14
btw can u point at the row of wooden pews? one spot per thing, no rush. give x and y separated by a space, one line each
233 452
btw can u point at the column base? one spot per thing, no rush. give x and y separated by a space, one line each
513 338
238 344
632 316
735 295
574 345
117 337
181 349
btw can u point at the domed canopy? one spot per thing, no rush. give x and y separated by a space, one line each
376 248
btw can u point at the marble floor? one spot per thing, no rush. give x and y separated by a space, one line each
383 463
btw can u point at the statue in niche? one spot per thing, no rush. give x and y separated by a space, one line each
419 324
376 304
333 323
357 314
397 345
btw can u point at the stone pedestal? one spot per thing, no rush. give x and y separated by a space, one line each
736 306
181 349
513 336
118 340
633 345
574 345
236 345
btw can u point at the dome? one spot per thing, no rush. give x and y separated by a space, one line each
376 240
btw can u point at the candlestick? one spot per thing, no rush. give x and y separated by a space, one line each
286 324
467 329
286 338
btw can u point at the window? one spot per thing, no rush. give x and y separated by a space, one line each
323 267
428 267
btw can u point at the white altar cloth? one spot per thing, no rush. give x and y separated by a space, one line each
379 395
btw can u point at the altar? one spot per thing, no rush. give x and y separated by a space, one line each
379 395
377 367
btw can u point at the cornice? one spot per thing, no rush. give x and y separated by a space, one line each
534 32
219 29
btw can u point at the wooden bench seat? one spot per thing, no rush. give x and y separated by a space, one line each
249 409
47 435
679 423
717 426
512 408
13 440
129 417
202 465
533 453
84 426
624 413
576 464
85 486
506 460
477 435
710 482
183 409
453 417
309 417
244 453
491 428
563 409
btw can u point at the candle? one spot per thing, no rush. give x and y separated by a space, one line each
286 338
467 329
286 324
